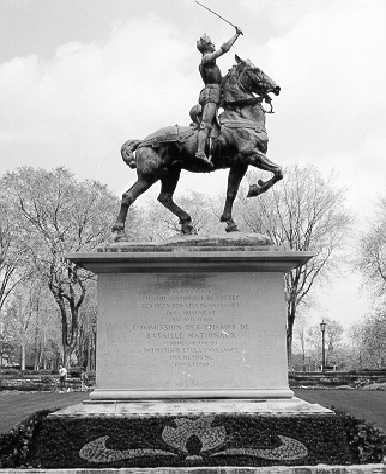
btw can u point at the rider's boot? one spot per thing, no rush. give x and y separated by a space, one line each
200 155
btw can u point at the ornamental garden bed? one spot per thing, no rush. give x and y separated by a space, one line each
207 440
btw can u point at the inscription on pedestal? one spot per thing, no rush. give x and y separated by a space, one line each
190 331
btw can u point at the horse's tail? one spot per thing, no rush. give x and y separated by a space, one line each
127 152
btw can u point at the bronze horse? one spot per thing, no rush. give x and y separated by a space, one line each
242 141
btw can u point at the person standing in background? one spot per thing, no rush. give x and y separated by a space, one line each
62 378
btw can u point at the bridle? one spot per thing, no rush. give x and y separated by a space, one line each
262 97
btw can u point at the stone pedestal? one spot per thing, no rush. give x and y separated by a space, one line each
191 364
192 318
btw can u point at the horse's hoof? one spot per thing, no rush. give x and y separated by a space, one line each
117 227
188 229
119 235
254 190
231 227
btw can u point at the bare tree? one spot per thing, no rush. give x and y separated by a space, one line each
158 223
333 339
305 212
13 268
373 250
85 349
299 337
61 214
369 338
21 317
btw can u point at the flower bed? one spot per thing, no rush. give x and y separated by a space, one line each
221 440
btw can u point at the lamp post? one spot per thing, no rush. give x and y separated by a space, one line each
323 330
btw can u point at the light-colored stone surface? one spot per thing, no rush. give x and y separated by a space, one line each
195 317
121 409
191 243
320 469
191 259
191 335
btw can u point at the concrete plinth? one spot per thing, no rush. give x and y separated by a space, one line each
183 433
294 407
193 318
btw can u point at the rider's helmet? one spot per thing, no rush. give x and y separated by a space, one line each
205 43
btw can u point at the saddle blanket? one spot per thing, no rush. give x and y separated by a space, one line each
169 134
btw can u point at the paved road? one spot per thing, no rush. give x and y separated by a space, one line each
371 406
15 406
364 404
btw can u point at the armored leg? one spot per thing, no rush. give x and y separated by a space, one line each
202 137
205 126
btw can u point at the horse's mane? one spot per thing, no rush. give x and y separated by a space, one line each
232 89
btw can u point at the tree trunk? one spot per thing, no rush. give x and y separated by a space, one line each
37 349
37 341
89 350
290 324
94 350
22 356
42 355
67 353
67 339
289 346
303 353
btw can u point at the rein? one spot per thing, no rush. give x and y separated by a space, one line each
247 100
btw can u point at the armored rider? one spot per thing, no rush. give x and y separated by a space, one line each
210 95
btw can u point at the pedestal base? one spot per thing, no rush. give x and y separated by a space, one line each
150 408
192 433
99 394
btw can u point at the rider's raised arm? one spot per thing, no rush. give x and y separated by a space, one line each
224 48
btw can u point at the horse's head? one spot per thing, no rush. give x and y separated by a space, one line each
253 79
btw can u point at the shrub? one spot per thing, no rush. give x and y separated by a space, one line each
367 442
48 379
15 446
10 372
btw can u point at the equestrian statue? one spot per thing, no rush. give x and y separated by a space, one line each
234 139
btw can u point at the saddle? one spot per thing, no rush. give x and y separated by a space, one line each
171 134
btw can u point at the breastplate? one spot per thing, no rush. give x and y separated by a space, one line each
210 73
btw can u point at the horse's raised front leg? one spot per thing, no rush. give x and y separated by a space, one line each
138 188
234 179
259 160
168 187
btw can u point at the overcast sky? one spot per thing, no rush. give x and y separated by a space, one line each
78 78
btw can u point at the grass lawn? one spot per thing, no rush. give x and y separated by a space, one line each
371 406
15 406
367 405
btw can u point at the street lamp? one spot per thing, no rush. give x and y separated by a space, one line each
323 330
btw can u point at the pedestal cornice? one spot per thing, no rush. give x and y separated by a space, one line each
184 260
